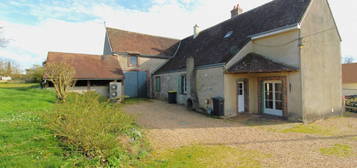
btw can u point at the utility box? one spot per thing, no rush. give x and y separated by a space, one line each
115 89
218 106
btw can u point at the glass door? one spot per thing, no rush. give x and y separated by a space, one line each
273 98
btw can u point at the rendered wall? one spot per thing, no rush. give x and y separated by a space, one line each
282 48
102 90
209 83
145 64
169 82
320 64
230 91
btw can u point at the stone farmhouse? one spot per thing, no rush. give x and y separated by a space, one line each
281 59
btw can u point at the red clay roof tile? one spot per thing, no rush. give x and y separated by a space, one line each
130 42
88 66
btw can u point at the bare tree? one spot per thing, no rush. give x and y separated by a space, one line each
61 75
9 68
348 60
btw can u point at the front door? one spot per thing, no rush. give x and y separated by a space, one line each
273 98
240 96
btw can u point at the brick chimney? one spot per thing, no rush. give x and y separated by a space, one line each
237 10
196 31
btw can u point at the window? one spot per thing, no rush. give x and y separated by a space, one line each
273 95
183 84
157 84
133 61
228 34
240 89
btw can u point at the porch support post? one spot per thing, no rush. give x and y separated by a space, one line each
88 85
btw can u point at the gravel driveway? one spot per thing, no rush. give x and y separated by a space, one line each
171 126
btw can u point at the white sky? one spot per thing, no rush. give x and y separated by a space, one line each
30 43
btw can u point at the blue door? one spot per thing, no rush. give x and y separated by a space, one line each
135 84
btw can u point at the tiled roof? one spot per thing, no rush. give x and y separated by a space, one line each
349 73
130 42
255 63
89 67
215 45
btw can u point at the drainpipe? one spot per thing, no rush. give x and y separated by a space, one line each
191 80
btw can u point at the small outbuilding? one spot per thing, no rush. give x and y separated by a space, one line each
5 78
349 79
92 72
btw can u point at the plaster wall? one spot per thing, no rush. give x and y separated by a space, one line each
320 63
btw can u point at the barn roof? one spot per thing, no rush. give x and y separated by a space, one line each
142 44
89 67
349 74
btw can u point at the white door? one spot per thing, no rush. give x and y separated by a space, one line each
273 98
240 93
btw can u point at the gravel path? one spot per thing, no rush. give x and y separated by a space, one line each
171 126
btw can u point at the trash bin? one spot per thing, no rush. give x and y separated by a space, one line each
172 97
218 106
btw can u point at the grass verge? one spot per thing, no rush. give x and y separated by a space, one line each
198 156
135 100
339 150
19 85
310 129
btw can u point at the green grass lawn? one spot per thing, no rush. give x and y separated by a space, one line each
26 141
198 156
23 140
339 150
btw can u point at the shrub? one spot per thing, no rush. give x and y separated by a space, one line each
97 128
34 74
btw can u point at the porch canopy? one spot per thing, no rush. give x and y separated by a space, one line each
255 63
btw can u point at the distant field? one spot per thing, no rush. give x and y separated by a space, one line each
18 85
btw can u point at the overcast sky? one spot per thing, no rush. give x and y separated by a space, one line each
35 27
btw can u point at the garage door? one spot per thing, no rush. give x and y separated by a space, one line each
135 84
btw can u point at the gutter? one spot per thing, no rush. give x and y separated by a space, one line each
93 79
275 31
201 67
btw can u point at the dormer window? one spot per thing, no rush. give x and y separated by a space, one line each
133 61
228 34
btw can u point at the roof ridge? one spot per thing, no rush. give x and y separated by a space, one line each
350 63
58 52
142 33
235 18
